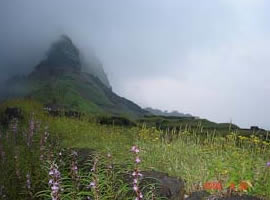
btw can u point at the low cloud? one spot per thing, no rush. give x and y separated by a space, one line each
209 58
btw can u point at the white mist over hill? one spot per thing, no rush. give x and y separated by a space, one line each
209 58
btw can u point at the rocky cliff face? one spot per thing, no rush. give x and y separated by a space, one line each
92 65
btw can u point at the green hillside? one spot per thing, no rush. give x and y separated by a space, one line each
81 92
59 80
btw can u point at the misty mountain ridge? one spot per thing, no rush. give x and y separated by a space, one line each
174 113
71 80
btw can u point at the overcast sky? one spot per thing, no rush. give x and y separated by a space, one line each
210 58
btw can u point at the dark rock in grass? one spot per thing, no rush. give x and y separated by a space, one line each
171 188
199 195
73 114
116 120
55 110
240 197
203 195
10 114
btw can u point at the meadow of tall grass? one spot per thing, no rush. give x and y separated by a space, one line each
40 158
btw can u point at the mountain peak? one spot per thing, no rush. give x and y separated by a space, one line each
62 57
64 52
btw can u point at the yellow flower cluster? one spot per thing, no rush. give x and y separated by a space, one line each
232 136
253 140
150 134
242 137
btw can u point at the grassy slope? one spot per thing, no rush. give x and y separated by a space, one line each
87 94
203 126
63 91
81 92
193 157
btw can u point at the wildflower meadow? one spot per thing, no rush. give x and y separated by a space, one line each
45 157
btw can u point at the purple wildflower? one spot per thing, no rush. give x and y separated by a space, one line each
43 142
74 168
138 160
46 134
17 167
110 164
135 149
136 173
2 192
14 128
28 181
92 185
31 132
54 182
268 164
50 182
135 188
94 165
2 153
